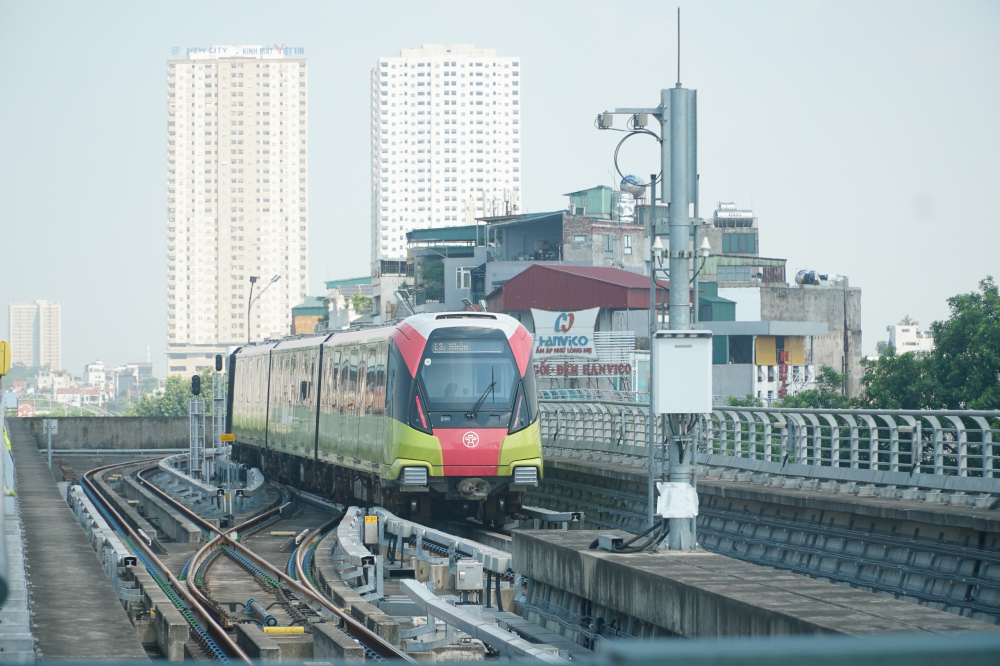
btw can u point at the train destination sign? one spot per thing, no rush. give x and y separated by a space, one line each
565 334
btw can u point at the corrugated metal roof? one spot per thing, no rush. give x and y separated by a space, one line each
467 234
555 287
313 305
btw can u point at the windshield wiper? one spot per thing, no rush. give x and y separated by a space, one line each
482 398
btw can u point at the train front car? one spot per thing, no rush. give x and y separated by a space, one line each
469 430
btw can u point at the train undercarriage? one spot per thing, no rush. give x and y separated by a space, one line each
488 499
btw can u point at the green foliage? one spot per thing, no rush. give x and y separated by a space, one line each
362 304
432 280
898 381
963 371
150 384
828 393
966 356
747 401
20 372
173 400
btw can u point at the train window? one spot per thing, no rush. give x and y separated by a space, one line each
371 381
352 381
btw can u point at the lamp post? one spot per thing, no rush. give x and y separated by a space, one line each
253 299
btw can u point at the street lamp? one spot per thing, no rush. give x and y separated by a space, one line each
253 299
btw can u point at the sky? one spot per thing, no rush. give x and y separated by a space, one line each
864 135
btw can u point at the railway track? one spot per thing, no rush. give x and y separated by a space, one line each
211 636
211 625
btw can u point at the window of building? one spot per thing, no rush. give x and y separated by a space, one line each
579 238
609 246
627 244
463 277
739 243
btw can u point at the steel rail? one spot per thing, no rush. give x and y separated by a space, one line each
376 643
219 634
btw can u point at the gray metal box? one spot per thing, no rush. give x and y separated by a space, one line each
371 530
468 575
683 372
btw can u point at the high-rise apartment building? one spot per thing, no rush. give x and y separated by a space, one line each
36 333
446 141
237 178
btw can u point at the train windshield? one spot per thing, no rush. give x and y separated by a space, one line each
458 374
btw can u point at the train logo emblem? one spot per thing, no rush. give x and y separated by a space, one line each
470 439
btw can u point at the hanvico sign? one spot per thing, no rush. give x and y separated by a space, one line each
565 334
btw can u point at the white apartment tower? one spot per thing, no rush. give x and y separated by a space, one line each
237 176
446 142
36 333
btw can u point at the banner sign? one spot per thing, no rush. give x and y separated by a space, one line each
567 369
565 334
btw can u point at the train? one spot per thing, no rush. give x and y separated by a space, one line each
436 415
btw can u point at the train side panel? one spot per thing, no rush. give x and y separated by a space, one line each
249 408
294 376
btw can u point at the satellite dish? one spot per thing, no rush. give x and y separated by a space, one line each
633 186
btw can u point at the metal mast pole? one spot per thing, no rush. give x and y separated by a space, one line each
682 160
653 326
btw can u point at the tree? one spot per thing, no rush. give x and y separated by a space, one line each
20 372
827 394
963 370
898 381
173 401
432 280
361 303
747 401
966 356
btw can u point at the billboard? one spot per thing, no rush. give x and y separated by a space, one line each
565 335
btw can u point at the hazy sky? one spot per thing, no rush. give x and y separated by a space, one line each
866 135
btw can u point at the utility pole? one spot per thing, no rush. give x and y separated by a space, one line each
677 113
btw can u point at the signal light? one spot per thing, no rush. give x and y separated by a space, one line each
218 362
195 385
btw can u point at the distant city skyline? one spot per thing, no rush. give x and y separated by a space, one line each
813 114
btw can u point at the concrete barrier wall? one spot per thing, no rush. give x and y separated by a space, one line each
114 432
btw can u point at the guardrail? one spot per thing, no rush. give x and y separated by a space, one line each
916 448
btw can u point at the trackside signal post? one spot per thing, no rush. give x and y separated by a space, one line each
681 373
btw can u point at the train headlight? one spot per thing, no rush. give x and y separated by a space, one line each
525 476
414 476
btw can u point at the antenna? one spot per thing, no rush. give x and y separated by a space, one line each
678 47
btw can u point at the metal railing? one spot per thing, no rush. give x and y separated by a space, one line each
898 447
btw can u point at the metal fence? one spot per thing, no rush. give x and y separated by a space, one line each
904 447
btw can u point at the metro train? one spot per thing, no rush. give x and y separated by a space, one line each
437 413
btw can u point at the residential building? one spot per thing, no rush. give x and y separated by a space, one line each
307 314
907 336
94 374
36 333
127 379
446 145
237 179
477 259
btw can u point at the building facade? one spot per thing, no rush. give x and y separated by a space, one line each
907 336
446 144
36 333
237 180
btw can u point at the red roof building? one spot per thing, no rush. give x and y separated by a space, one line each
558 287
